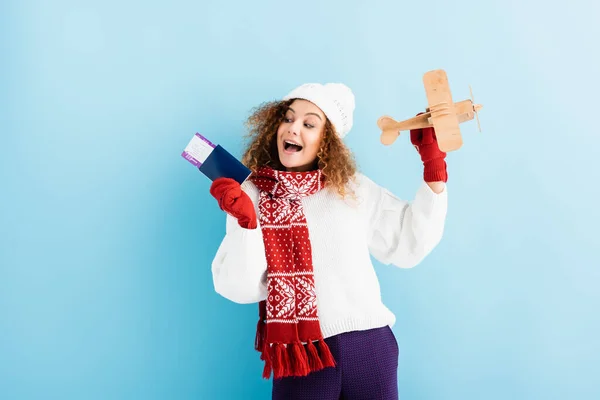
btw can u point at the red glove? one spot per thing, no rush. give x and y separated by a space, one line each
234 201
433 158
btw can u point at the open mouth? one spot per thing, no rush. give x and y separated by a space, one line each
291 146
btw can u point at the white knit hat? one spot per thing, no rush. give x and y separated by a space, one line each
336 100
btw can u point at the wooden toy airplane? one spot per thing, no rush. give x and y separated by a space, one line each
443 114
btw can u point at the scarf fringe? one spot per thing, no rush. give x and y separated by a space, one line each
295 359
279 361
326 355
299 359
314 362
259 340
266 357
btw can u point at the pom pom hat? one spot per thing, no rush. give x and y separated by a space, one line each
336 100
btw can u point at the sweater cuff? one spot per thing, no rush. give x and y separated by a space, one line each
430 202
435 171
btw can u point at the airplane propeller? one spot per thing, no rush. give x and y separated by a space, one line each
476 108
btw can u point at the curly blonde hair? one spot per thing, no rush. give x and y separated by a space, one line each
334 159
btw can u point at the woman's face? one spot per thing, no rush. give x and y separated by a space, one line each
299 136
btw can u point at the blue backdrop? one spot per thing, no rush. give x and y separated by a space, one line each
107 234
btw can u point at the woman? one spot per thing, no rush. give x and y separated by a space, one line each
299 236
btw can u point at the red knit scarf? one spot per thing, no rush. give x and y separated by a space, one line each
289 321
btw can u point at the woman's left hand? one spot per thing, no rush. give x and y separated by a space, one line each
435 171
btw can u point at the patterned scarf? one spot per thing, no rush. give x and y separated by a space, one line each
288 319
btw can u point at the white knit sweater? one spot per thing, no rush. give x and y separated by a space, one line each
343 234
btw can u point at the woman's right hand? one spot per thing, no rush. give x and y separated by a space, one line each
234 201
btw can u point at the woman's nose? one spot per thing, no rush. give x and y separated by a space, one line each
295 128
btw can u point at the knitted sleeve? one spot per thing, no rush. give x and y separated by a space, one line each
400 232
239 266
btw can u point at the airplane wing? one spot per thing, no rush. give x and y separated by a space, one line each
443 117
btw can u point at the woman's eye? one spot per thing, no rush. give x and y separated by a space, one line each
288 120
309 126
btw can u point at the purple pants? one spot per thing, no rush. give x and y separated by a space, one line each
367 365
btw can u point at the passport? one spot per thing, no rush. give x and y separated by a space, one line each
213 160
